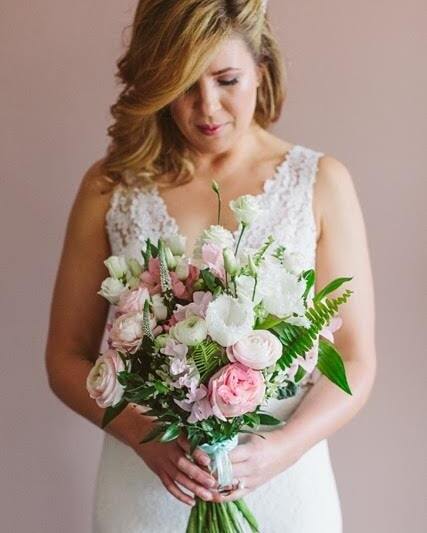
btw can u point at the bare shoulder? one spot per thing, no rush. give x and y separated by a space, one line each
334 191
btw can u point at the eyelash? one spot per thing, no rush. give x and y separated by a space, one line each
222 82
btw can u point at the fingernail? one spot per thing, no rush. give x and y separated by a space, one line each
207 495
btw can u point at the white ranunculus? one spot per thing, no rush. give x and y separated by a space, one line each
117 266
257 350
216 235
281 292
112 289
176 243
182 268
245 208
245 289
293 262
159 308
190 331
229 319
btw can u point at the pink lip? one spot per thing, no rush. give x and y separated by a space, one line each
209 130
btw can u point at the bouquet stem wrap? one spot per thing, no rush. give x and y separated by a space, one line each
221 466
229 517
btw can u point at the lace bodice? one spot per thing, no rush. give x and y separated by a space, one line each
137 213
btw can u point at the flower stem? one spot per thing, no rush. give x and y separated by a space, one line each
240 238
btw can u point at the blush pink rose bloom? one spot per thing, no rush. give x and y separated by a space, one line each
133 301
257 350
102 383
234 390
126 332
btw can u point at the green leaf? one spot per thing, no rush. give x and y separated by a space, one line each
113 411
330 287
154 433
209 279
331 365
310 278
268 420
208 357
172 433
251 419
269 322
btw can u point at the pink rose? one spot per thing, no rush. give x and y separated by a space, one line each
258 349
133 301
234 390
102 383
126 333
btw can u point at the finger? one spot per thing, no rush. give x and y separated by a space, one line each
195 472
176 491
198 455
222 497
185 481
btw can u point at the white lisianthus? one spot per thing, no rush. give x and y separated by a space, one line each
159 308
245 288
293 262
117 266
217 235
299 321
112 289
281 291
182 269
190 331
176 244
245 209
230 262
229 319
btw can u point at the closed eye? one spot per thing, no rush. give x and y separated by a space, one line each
229 82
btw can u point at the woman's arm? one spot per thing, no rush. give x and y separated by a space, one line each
342 250
78 314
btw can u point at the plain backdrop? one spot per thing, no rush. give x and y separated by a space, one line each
357 87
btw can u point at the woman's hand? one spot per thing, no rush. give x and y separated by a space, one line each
257 461
170 461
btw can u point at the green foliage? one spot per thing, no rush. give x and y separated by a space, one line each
332 286
297 340
208 356
310 278
331 365
287 391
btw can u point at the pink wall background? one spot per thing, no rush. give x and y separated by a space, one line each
357 91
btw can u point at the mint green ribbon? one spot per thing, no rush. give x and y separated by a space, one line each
221 465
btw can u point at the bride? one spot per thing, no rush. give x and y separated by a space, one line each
202 83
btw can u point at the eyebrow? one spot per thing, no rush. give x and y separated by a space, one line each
222 71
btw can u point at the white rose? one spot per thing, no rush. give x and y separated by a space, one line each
229 319
117 266
190 331
176 243
245 208
281 291
259 349
102 383
159 308
215 235
112 289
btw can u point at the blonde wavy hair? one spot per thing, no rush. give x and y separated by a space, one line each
171 45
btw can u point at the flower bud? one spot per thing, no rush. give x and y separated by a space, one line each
134 267
170 259
230 262
182 269
117 266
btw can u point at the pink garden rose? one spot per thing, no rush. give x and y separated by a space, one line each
234 390
126 332
102 383
133 301
258 349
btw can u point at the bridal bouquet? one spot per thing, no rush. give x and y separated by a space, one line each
203 342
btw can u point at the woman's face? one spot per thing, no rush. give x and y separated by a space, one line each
225 96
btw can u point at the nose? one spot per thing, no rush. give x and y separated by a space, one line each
208 99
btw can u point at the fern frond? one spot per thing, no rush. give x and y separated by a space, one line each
297 340
207 356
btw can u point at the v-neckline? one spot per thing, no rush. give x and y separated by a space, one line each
172 222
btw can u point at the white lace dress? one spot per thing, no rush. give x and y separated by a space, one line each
129 498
